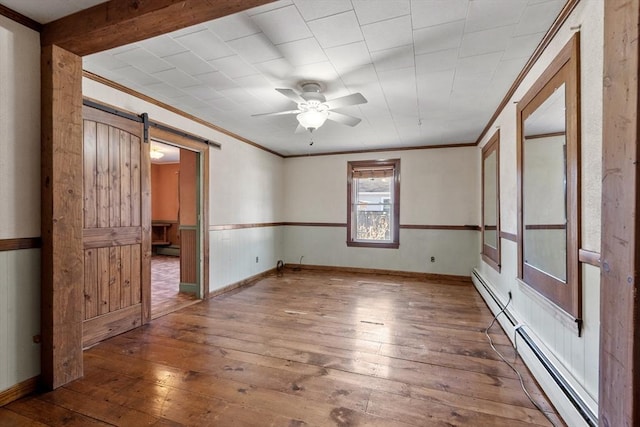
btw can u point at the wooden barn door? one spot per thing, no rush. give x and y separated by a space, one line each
117 221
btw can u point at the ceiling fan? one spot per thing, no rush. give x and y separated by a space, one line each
313 108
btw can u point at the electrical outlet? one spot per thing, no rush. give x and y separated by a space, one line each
433 259
257 259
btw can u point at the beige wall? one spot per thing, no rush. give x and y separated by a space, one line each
19 201
575 357
164 192
438 187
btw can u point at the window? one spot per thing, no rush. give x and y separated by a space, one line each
373 200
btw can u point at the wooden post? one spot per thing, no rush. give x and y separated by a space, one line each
619 396
62 256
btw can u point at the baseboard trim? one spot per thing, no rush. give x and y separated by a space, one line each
189 288
241 284
431 277
19 390
568 402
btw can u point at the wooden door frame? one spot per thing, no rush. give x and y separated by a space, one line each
64 42
178 139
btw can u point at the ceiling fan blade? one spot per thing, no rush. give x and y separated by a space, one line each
344 101
343 118
292 95
300 129
277 113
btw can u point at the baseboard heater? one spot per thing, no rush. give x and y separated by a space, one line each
562 383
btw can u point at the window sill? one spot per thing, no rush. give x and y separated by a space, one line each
383 245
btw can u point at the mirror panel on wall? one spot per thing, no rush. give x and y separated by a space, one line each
548 182
491 202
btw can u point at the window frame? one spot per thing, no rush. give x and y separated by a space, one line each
395 230
491 255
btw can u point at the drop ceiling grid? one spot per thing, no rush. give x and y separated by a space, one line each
415 59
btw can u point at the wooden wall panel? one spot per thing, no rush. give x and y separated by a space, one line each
188 256
103 280
114 278
125 180
135 181
114 173
91 298
164 188
125 272
89 174
136 284
102 174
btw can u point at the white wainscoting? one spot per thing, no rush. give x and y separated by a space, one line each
19 316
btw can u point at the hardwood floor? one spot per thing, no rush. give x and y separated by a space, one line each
305 349
165 285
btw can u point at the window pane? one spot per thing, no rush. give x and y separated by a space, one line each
374 208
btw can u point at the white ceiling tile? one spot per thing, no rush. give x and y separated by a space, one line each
436 61
336 30
104 60
137 76
471 84
255 48
269 6
216 80
143 60
175 77
438 37
493 40
205 44
302 52
321 71
277 69
435 88
486 63
233 26
162 46
314 9
522 46
427 13
283 25
202 91
362 76
188 30
189 63
487 14
233 66
349 56
165 91
391 59
370 11
224 104
538 17
238 95
387 34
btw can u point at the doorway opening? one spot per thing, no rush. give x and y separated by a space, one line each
175 229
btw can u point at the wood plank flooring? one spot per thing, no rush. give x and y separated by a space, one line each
305 349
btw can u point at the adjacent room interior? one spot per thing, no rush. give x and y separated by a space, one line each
310 212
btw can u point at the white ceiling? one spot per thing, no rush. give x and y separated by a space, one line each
433 71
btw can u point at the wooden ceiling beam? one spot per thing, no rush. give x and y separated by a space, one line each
121 22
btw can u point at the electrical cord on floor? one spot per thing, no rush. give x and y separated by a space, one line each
513 368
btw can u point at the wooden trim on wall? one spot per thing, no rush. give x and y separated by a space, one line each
120 22
432 277
439 227
20 390
136 94
589 257
545 227
546 135
383 150
619 384
509 236
551 33
491 254
242 283
20 243
338 224
20 18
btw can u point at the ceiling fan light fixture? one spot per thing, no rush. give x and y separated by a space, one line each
312 119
